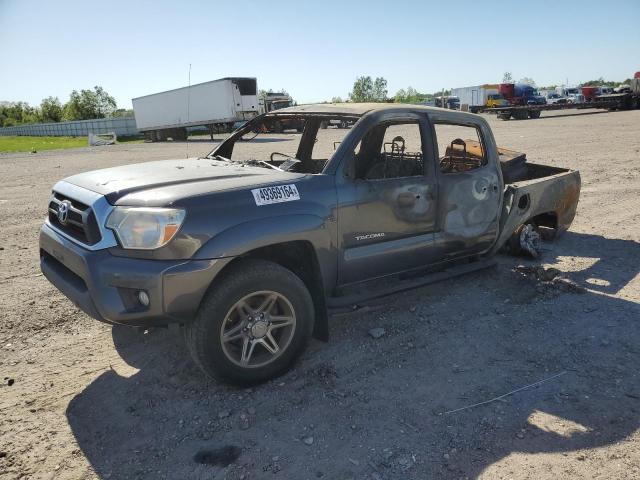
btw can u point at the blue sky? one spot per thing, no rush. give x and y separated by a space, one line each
313 49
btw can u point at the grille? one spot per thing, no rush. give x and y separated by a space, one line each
81 222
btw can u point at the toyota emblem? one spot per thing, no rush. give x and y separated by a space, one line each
63 211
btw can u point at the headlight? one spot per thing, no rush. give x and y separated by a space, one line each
145 228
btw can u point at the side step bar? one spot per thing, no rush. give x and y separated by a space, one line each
354 301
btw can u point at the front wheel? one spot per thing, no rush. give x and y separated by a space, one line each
252 324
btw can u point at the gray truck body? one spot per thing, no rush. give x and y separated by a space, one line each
345 230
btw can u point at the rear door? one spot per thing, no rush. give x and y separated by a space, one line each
387 205
469 186
245 94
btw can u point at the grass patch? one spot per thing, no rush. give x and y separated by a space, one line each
38 144
130 140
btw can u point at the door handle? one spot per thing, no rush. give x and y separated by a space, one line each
407 199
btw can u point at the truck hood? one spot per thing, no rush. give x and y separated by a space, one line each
163 182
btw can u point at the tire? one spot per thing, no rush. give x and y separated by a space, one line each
251 282
525 241
520 115
277 127
504 116
534 114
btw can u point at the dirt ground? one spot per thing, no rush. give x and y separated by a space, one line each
80 399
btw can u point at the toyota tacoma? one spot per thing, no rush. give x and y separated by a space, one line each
250 247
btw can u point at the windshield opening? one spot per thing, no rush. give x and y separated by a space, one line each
295 143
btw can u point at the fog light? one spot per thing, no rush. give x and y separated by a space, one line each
143 298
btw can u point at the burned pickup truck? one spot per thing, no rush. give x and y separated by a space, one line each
250 247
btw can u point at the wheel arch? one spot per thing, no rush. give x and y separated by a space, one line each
301 243
300 257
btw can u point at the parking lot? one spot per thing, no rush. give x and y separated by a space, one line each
80 399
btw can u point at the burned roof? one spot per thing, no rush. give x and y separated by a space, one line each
356 109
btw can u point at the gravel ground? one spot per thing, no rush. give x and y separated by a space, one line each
80 399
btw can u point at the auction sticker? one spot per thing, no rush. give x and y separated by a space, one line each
275 194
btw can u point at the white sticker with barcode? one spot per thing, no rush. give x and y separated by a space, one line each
275 194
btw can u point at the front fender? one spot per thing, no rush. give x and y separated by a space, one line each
248 236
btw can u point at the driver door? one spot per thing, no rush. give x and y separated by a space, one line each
387 204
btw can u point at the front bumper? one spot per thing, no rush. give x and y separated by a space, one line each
105 286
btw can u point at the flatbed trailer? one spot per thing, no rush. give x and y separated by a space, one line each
614 101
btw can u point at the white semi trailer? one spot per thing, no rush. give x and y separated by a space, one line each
217 105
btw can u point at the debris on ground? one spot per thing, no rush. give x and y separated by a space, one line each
549 279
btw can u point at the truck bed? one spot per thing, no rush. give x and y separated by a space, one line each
515 168
541 194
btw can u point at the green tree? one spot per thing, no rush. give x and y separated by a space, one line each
400 96
413 96
379 90
604 83
507 77
50 110
367 90
88 104
336 100
528 81
362 90
17 113
122 112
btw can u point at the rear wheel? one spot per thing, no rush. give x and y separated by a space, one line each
525 241
252 324
534 113
504 116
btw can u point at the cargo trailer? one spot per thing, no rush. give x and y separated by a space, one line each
478 97
217 105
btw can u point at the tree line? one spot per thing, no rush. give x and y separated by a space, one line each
82 105
366 89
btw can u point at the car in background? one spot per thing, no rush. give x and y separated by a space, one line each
453 103
553 98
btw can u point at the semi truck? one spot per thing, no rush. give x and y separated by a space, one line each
450 102
520 94
625 99
478 97
273 101
217 105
